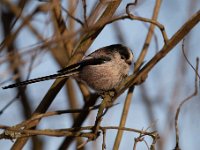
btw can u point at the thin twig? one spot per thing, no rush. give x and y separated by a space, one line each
83 44
18 94
104 104
140 76
186 99
136 68
50 41
153 21
85 12
186 58
71 16
104 139
13 132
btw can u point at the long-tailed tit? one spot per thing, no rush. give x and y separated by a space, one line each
102 70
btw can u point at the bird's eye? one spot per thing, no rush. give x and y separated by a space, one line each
123 57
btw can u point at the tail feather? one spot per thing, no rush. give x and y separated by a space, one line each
50 77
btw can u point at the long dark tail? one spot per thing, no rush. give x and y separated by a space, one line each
54 76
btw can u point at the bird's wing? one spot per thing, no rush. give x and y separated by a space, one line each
87 61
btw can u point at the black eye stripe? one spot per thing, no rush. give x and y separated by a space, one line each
124 52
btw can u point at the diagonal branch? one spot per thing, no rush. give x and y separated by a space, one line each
140 76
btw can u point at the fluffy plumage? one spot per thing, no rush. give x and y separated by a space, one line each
102 70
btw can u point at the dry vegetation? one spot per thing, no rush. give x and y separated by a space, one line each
71 38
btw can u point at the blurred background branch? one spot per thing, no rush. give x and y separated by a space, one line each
40 37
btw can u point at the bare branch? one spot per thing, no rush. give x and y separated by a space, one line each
186 99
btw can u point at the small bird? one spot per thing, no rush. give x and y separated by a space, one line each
102 70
